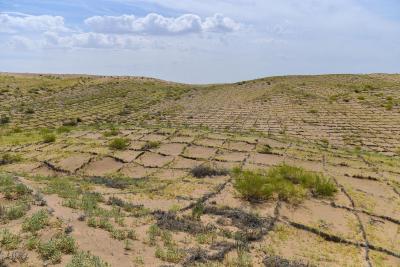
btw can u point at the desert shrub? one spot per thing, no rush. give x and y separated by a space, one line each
71 122
205 170
29 111
36 222
49 138
16 212
118 234
8 158
286 182
32 243
151 145
63 129
265 149
49 251
119 143
55 247
4 119
170 253
63 188
111 132
85 259
8 240
65 243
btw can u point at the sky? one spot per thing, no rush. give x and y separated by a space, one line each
200 41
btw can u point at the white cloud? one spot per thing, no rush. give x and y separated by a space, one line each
18 22
155 24
96 40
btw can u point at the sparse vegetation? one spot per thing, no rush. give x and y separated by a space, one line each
202 171
8 240
151 145
36 222
288 183
49 138
8 158
119 144
85 259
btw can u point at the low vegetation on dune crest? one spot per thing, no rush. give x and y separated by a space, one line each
287 183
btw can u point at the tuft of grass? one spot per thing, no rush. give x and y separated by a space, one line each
119 143
8 158
16 212
265 149
8 240
151 145
170 253
288 183
36 222
85 259
55 247
205 170
49 138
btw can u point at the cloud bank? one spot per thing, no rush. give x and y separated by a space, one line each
17 22
155 24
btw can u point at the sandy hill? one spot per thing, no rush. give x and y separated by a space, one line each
124 171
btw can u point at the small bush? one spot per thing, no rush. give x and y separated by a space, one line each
36 222
170 253
16 212
151 145
8 158
291 184
32 243
119 143
265 149
85 259
4 119
205 170
8 240
49 251
53 249
111 132
49 138
63 129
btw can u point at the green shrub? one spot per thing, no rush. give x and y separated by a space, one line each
170 253
85 259
8 240
32 243
119 143
49 251
63 188
111 132
151 145
65 243
291 184
36 222
265 149
63 129
53 249
16 212
49 138
8 158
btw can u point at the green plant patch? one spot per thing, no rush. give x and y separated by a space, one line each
287 183
119 143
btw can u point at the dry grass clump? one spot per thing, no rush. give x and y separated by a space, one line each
119 143
205 170
287 183
151 145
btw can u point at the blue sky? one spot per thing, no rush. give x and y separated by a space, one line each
200 41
